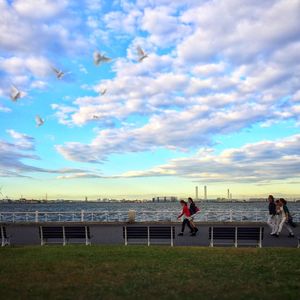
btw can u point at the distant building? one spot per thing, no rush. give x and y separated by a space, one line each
165 199
205 192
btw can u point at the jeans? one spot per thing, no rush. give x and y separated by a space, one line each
283 221
272 222
186 222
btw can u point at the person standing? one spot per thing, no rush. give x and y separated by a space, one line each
193 210
186 214
284 217
272 214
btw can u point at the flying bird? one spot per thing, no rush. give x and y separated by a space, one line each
100 58
39 121
59 73
141 53
15 93
103 91
95 117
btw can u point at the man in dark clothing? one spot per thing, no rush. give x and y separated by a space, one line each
272 215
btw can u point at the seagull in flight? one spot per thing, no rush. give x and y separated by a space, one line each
95 117
141 53
39 121
15 93
103 91
100 58
59 73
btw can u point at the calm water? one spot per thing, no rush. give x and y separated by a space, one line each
155 207
165 211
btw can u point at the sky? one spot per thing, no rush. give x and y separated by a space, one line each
216 101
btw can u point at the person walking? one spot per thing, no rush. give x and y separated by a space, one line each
186 214
284 218
272 215
193 211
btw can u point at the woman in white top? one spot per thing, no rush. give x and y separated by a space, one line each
283 218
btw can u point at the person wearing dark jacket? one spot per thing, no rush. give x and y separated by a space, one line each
272 215
193 210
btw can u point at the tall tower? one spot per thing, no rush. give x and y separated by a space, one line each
196 191
228 194
205 192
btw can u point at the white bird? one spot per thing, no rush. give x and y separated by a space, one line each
99 58
15 93
103 91
59 73
141 53
39 121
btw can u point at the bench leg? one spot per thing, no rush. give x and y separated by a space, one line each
126 241
2 236
64 236
260 237
235 240
148 230
42 238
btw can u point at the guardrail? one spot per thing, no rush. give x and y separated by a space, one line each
139 216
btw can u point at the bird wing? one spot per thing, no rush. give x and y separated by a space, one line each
14 90
55 70
39 120
96 57
140 51
105 58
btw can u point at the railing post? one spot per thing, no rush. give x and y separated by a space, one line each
36 216
230 215
82 215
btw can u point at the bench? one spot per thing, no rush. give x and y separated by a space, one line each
232 235
148 235
4 237
65 234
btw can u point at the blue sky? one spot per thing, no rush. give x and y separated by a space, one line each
215 103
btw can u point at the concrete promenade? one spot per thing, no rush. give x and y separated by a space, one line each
112 233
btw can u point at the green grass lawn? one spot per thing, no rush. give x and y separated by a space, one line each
138 272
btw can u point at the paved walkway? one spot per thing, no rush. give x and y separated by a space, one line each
112 233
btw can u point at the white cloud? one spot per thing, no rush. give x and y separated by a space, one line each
23 141
242 32
22 147
163 26
39 9
264 161
4 109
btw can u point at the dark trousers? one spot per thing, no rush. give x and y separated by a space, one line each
186 222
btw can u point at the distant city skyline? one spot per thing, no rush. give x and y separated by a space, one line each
149 98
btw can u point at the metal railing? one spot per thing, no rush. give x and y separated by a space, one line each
140 216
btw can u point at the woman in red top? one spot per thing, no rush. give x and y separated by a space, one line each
186 214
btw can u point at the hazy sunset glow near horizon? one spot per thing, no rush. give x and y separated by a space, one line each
215 102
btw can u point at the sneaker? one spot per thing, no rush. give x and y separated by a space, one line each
291 235
193 234
196 229
276 234
180 234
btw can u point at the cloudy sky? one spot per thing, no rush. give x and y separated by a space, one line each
216 102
